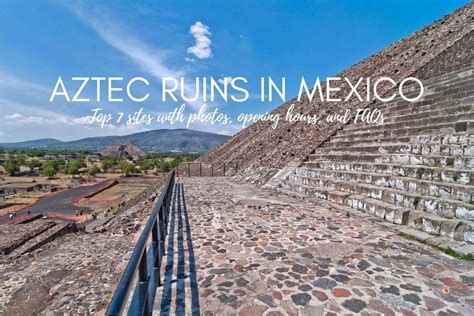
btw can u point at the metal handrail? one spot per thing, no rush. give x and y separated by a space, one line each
148 279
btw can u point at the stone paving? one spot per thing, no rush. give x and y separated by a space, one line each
258 252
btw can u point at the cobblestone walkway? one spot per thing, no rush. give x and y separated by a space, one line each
257 252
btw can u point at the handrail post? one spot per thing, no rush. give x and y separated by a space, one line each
162 223
189 169
224 168
143 277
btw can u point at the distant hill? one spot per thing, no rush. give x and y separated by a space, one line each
161 140
38 143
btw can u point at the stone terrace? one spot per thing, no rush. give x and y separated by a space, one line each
259 252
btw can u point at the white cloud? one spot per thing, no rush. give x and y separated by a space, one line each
225 80
20 119
202 48
149 59
85 120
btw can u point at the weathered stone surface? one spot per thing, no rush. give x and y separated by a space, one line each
261 151
340 292
354 305
252 310
123 150
309 310
370 263
392 289
301 298
415 169
325 283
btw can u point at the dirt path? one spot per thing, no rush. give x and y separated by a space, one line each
60 202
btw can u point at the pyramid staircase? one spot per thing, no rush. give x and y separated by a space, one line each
416 169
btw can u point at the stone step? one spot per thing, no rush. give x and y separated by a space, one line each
459 105
430 223
443 207
461 82
419 221
456 78
447 139
451 191
32 233
444 175
405 148
448 78
437 110
420 122
432 94
440 93
430 130
462 162
45 237
450 105
435 225
388 212
436 90
415 169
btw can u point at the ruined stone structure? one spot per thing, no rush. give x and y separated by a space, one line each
261 151
415 169
123 150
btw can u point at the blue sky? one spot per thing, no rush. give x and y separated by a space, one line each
41 40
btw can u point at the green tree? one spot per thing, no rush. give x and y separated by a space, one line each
146 164
21 160
165 166
175 162
48 170
108 164
34 163
94 170
11 166
127 168
72 167
58 164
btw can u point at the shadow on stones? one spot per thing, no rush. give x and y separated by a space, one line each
192 264
167 284
178 211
